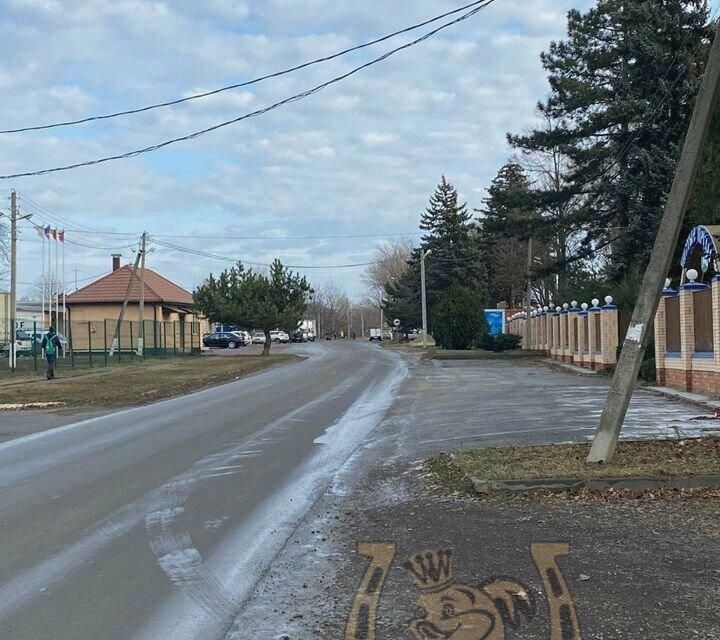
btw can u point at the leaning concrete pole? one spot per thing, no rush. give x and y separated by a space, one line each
623 382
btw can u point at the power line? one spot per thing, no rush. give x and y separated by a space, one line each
73 281
248 83
225 237
225 258
295 98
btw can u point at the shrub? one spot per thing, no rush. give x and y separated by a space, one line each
459 319
648 371
503 342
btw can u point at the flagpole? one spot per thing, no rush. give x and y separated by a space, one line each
50 278
42 278
57 282
65 324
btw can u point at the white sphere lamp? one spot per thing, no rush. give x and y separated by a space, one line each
692 274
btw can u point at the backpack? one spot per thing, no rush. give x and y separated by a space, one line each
50 345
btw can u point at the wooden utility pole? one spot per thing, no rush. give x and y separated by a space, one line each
423 293
623 382
116 337
141 337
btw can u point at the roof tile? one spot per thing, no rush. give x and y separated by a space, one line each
113 287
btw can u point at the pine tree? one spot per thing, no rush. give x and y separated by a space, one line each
622 86
454 242
506 224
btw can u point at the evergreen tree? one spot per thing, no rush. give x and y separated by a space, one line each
459 318
506 224
622 87
452 238
256 300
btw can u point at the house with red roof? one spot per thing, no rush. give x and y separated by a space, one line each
171 317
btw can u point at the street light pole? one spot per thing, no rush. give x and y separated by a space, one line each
423 255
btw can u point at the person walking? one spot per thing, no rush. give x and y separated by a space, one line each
52 346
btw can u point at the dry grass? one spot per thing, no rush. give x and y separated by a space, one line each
136 383
633 459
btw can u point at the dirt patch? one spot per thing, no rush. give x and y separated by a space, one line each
138 383
646 458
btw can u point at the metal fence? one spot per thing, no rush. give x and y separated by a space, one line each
100 344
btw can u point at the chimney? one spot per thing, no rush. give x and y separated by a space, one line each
116 261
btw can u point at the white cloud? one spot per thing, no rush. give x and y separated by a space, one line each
361 157
373 139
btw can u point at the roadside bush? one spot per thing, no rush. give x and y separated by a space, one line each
647 370
503 342
459 319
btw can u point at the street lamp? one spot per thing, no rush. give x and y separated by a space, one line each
423 255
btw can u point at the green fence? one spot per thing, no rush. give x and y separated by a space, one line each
102 343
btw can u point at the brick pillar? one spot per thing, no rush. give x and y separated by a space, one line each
572 335
609 339
687 336
563 334
595 357
582 339
716 321
660 341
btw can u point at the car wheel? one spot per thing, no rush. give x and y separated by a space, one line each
231 345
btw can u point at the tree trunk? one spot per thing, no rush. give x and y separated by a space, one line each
268 342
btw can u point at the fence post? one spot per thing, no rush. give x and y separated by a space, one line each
609 330
70 342
132 353
90 344
35 346
716 326
175 349
118 342
105 339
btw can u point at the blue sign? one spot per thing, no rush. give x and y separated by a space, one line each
496 321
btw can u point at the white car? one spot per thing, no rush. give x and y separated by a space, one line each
258 337
279 336
244 336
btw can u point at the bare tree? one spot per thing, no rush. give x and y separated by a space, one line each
389 263
330 305
44 286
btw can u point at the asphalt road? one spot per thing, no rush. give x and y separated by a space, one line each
157 522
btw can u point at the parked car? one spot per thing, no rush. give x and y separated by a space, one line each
39 335
223 340
298 336
244 336
376 335
23 342
278 336
258 337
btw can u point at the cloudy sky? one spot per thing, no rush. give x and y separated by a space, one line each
360 158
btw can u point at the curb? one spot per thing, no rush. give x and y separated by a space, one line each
23 406
597 484
690 398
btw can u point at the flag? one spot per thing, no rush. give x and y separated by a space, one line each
47 232
39 230
54 234
61 235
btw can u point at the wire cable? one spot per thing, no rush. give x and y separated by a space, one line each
225 258
248 83
295 98
288 238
